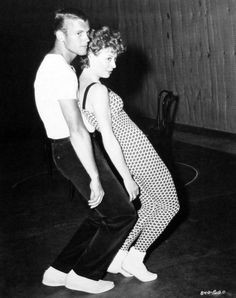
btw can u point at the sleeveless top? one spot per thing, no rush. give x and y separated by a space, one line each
140 156
87 124
119 118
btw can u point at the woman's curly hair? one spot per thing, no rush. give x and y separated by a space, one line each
101 39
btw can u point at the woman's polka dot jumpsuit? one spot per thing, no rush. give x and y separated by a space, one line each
159 202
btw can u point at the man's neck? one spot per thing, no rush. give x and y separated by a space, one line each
68 56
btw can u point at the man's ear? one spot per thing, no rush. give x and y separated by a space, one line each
60 35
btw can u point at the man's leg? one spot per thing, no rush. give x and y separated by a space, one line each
99 237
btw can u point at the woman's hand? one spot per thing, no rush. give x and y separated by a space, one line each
131 187
101 109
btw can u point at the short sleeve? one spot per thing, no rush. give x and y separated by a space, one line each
64 84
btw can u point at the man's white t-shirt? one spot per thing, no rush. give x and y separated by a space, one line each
55 80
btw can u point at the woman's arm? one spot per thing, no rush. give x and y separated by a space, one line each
99 103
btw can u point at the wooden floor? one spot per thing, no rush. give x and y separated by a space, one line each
195 255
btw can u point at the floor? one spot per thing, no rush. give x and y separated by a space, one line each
194 257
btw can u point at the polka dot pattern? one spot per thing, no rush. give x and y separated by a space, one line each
159 202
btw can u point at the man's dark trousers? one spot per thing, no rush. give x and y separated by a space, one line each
104 230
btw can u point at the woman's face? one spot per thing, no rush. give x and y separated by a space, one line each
103 63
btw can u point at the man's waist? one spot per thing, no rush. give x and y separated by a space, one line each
67 139
60 141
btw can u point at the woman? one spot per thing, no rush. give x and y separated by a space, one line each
134 157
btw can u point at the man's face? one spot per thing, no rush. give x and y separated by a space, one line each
76 36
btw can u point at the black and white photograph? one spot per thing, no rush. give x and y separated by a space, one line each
118 149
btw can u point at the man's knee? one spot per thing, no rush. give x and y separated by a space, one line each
122 221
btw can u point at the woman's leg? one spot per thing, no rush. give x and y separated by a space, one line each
155 225
160 193
160 188
144 213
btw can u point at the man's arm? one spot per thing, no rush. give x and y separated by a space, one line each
81 142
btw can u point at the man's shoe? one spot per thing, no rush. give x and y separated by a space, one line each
83 284
54 278
115 266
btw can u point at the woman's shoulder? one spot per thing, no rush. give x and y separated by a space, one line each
98 87
98 90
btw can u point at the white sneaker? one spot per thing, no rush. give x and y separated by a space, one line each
54 278
133 263
115 266
80 283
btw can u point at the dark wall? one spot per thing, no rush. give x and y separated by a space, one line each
26 36
184 46
23 44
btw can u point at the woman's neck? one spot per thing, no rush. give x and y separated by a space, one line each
88 75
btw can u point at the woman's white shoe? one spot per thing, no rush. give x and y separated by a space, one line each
133 263
115 266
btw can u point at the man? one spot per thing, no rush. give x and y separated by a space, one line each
84 261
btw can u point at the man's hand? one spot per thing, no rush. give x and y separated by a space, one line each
132 188
81 143
97 193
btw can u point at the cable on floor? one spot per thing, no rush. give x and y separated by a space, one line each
191 167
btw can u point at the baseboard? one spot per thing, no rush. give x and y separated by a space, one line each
212 139
204 131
